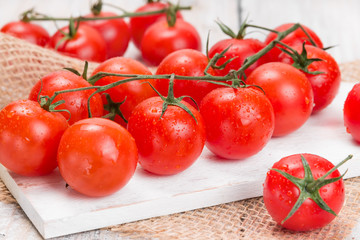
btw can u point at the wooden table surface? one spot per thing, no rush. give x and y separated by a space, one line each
333 20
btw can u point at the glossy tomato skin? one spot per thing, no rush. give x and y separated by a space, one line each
185 62
160 40
30 32
295 38
97 157
239 122
170 144
75 102
138 25
115 32
87 44
352 113
280 194
325 86
289 92
29 138
134 92
239 49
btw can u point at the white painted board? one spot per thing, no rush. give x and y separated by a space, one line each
57 211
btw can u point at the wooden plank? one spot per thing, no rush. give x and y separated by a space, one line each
57 211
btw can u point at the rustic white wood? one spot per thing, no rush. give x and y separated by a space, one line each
57 211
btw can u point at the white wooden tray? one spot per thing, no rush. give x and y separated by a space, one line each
57 211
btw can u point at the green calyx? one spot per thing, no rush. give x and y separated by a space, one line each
96 7
170 12
113 108
172 101
84 74
71 34
46 104
301 61
309 187
227 30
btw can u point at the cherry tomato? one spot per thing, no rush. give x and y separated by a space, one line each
86 44
115 32
185 62
326 85
295 38
30 32
170 144
132 92
160 40
138 25
238 122
29 138
352 113
289 92
280 194
97 157
75 102
239 49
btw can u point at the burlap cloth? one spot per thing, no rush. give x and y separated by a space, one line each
22 64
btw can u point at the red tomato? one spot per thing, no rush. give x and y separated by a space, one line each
280 194
325 86
238 122
185 62
352 113
138 25
295 38
28 31
75 102
239 49
160 40
29 138
289 92
97 157
115 32
132 92
87 44
170 144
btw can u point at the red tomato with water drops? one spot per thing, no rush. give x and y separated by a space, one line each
326 85
185 62
132 92
75 102
138 25
280 194
160 40
97 157
295 38
168 144
239 50
115 32
289 92
238 122
86 44
29 138
30 32
351 112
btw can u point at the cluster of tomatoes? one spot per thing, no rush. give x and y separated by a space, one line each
234 115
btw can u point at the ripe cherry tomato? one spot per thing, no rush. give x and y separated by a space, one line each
28 31
170 144
289 92
326 85
295 38
138 25
238 122
352 113
160 40
115 32
185 62
280 194
86 44
239 49
29 138
97 156
75 102
132 92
